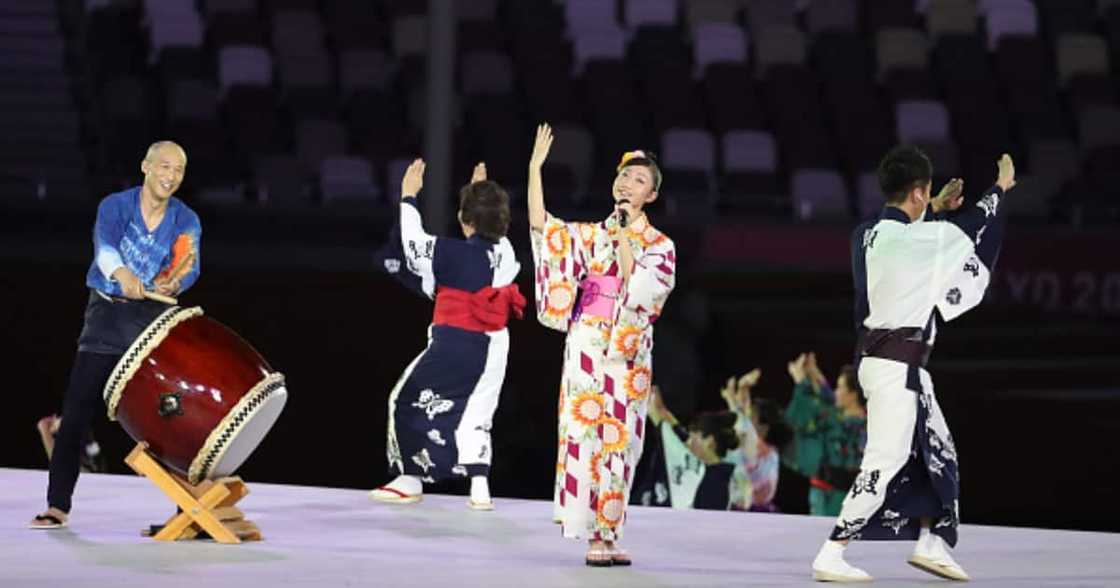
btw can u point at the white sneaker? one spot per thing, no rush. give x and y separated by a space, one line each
932 556
829 566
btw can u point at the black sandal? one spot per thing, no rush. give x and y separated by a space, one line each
52 522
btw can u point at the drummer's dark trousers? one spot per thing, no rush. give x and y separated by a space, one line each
82 404
109 329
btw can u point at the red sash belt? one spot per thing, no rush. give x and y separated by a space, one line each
485 310
821 484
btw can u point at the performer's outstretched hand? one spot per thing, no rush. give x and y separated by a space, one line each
413 179
479 173
1006 177
541 146
951 196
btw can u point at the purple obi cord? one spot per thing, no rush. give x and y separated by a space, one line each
598 295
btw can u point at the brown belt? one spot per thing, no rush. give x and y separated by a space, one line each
903 345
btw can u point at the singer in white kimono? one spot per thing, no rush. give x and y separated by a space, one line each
604 284
910 276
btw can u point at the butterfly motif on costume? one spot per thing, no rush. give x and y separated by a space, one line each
935 465
894 521
432 404
435 437
990 204
424 460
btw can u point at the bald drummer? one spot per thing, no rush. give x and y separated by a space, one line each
145 243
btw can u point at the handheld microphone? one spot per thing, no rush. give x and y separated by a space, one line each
622 216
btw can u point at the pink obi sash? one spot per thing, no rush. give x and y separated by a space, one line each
598 295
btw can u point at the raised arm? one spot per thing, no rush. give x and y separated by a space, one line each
419 246
947 200
541 145
976 220
966 261
658 412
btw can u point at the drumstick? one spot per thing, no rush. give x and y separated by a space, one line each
178 271
175 275
160 298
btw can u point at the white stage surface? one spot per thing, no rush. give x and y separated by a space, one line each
326 537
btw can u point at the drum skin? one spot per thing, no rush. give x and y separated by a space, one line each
185 386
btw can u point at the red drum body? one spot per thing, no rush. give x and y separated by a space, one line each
195 392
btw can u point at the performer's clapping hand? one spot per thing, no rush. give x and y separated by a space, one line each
131 285
541 145
951 196
1006 177
413 179
737 392
813 371
797 368
479 173
657 410
728 394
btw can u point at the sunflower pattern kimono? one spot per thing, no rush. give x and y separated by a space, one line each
606 376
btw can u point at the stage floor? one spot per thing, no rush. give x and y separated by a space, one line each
327 537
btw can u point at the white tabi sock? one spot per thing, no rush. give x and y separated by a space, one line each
924 541
410 485
480 490
932 555
829 565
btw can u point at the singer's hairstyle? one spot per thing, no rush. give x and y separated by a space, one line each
646 159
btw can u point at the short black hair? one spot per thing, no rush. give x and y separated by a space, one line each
778 432
485 206
902 169
848 372
720 426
